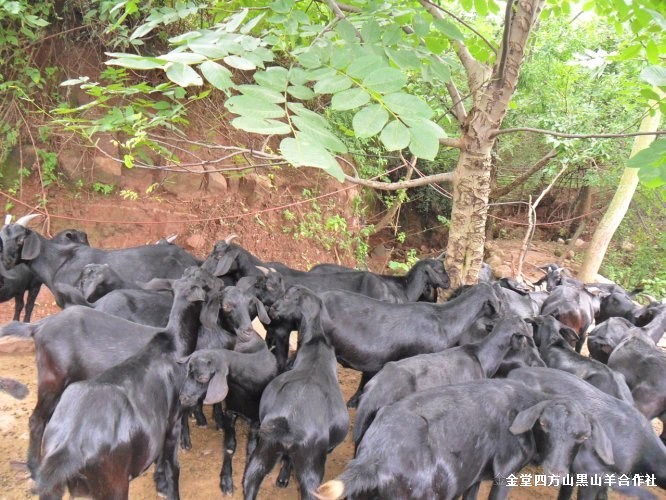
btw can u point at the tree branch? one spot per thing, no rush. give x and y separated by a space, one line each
337 10
394 186
476 72
573 136
451 14
451 142
519 181
457 108
501 67
344 7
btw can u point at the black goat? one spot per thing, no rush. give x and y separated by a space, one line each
634 355
80 343
440 443
399 379
13 387
368 333
140 417
238 377
554 340
233 260
53 263
574 307
635 447
16 282
302 411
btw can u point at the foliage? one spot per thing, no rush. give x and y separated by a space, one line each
330 231
645 264
410 259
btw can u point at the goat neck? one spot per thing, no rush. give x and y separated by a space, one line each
655 328
491 351
184 318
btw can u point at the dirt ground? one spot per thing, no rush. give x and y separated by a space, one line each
199 467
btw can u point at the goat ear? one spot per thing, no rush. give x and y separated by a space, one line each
261 311
209 314
182 361
32 245
217 388
526 419
602 445
568 334
223 265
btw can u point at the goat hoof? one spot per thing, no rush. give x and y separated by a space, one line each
227 487
186 444
282 482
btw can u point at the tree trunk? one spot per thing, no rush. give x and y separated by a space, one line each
618 206
471 182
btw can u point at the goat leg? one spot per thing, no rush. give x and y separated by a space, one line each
30 304
198 414
218 416
185 438
229 428
167 469
260 463
309 468
18 306
354 400
282 480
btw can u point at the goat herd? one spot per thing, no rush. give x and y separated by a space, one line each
451 394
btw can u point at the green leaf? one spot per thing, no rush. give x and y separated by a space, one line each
183 57
341 57
395 136
333 84
300 92
36 21
137 62
235 20
363 66
239 62
658 18
183 75
346 31
385 80
282 6
217 75
274 78
440 70
371 31
424 138
654 155
421 25
309 60
246 105
392 35
252 23
407 106
369 121
481 7
318 134
261 126
405 59
212 51
301 152
143 30
264 93
349 99
300 110
654 75
448 28
652 52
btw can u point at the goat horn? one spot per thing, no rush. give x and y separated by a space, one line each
171 238
441 255
230 238
262 269
651 298
23 221
8 219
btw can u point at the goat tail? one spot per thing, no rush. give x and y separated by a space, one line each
19 329
357 477
56 469
278 430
